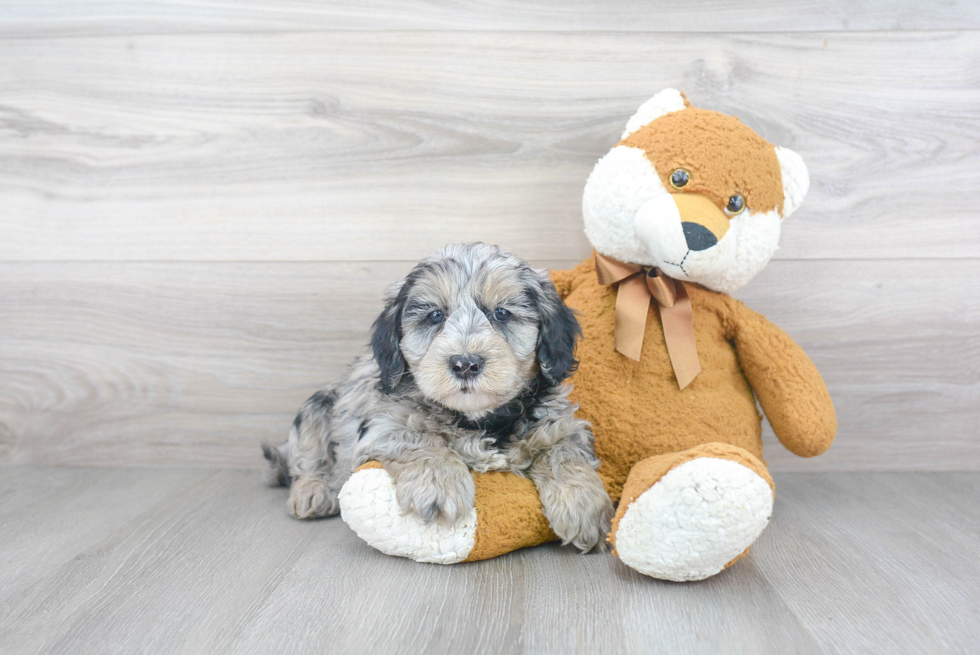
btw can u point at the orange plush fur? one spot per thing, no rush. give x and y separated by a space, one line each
637 410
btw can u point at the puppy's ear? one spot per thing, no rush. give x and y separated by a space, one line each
558 332
385 339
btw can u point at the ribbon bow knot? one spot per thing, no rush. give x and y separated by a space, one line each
636 286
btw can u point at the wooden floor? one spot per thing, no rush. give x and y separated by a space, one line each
139 560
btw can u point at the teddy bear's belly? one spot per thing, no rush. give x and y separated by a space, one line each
637 410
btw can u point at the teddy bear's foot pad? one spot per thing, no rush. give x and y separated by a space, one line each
696 520
368 505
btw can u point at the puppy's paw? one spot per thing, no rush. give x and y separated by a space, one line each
434 489
310 498
578 509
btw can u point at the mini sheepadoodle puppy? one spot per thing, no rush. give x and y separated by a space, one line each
466 369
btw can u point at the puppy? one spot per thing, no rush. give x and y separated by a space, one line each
466 369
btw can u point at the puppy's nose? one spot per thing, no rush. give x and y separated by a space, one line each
698 237
466 366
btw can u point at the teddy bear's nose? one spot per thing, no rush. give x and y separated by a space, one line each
698 237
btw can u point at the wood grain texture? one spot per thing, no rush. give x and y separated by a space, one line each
65 17
347 146
194 363
856 539
208 561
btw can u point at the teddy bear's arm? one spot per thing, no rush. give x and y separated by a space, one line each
787 384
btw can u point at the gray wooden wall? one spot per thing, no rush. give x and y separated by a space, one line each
200 203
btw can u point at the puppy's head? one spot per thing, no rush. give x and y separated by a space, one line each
473 324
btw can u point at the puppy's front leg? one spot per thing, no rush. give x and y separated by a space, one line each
430 478
573 498
434 484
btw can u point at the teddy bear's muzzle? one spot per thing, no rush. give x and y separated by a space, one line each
698 236
704 225
679 228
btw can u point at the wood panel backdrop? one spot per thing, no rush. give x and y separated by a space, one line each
200 203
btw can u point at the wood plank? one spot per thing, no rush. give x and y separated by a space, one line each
858 555
216 565
23 18
82 505
898 344
192 364
739 613
69 495
199 540
382 146
181 355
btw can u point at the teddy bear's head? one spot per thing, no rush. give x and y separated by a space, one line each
693 192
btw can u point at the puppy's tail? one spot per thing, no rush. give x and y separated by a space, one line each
277 475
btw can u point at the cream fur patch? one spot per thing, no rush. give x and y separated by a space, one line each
368 505
753 239
664 102
620 184
796 179
696 519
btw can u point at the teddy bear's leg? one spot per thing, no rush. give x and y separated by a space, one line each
691 514
507 516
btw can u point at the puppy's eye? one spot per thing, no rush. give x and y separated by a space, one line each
501 315
679 178
736 204
435 317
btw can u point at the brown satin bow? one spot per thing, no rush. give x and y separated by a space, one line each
636 285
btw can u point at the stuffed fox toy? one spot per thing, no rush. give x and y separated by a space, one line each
684 210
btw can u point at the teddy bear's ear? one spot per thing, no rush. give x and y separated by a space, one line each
664 102
796 179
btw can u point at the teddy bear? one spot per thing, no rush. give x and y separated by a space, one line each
684 210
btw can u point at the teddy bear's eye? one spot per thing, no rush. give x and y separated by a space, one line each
679 178
735 205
